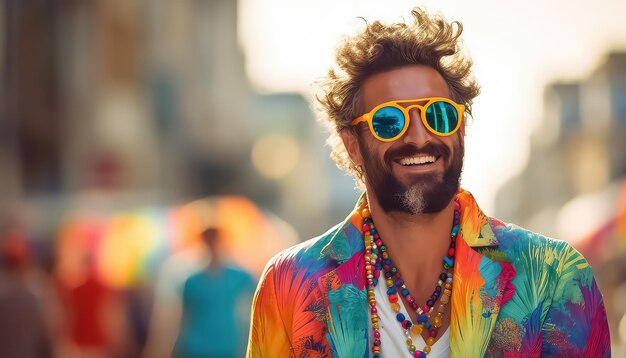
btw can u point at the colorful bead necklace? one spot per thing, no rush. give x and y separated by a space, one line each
377 261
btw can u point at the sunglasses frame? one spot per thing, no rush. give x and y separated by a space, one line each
369 116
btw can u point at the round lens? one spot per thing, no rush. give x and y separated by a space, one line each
388 122
442 117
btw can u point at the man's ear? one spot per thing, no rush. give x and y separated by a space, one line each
351 143
462 134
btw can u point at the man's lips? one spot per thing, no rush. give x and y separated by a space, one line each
410 156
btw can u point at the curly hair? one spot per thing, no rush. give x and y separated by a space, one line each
430 40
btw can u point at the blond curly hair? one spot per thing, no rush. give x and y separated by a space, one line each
430 40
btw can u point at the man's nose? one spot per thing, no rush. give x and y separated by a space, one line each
416 133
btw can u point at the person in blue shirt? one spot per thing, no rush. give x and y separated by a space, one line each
215 300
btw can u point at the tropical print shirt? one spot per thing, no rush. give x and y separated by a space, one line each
515 294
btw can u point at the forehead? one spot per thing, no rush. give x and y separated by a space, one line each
408 82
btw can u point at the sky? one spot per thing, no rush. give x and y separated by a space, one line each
517 47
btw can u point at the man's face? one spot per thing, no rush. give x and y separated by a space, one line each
397 184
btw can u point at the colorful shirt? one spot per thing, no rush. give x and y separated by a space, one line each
514 293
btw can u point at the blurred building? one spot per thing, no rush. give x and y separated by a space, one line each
574 185
578 149
149 103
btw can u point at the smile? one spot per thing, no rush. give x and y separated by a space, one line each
417 160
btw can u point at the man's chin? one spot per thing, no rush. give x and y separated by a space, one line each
423 181
425 197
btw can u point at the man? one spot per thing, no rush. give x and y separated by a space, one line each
417 269
211 324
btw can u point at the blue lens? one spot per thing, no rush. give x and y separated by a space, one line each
388 122
442 117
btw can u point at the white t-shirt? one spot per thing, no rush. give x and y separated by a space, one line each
393 341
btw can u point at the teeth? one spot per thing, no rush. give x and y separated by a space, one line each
417 160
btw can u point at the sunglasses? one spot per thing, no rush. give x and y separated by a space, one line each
389 121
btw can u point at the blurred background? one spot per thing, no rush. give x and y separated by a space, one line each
127 128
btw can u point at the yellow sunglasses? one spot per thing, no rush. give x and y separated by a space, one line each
389 121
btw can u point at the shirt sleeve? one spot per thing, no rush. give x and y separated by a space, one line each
268 335
576 323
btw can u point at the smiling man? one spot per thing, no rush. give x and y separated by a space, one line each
417 269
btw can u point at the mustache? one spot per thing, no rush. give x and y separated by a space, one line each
409 150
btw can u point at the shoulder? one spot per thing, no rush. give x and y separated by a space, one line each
304 257
237 273
194 281
511 236
195 277
530 250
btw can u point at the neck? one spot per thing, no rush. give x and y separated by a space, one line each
215 264
417 243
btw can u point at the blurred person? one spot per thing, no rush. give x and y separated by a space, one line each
92 322
166 312
417 269
24 323
214 302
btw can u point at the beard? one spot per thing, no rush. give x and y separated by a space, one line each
426 193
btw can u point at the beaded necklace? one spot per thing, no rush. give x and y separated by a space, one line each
377 261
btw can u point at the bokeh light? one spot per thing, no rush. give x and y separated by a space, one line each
275 155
